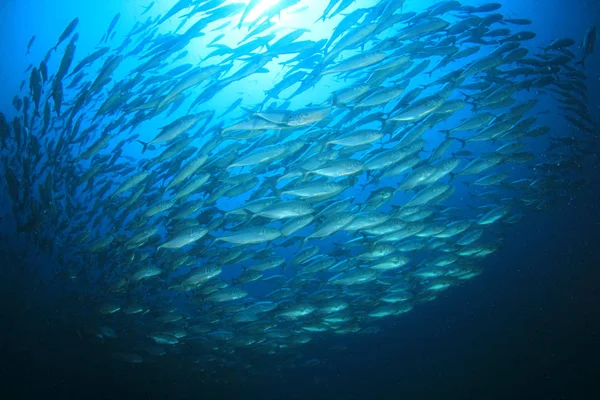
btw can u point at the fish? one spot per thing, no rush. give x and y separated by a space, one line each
251 6
145 273
252 235
184 238
112 25
90 59
67 32
589 42
29 44
174 129
147 8
227 294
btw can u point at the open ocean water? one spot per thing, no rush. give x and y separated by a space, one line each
292 199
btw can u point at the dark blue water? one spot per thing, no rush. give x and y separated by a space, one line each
525 328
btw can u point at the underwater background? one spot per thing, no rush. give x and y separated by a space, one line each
89 312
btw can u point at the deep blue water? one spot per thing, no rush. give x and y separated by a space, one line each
527 327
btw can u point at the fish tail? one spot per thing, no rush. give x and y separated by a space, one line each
382 117
582 62
303 242
446 132
463 142
370 180
144 144
163 102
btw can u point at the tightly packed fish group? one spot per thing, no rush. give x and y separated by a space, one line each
256 229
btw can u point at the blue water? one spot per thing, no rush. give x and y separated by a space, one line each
524 328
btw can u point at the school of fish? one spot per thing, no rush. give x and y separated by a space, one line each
256 229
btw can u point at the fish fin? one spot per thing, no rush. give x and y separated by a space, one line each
370 180
270 96
144 144
246 109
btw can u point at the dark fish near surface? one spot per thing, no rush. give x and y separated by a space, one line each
30 44
90 59
489 7
44 70
35 84
147 8
179 6
251 5
65 62
57 96
589 42
108 68
518 21
67 32
112 25
17 103
559 44
232 107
